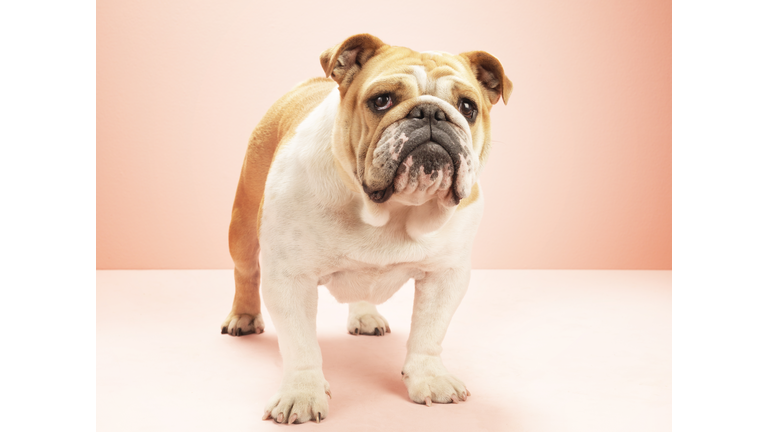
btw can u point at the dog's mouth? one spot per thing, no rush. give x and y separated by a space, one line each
427 170
428 153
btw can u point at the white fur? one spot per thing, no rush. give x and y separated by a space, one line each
421 77
365 319
314 230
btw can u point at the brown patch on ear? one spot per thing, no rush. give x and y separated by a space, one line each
343 61
490 74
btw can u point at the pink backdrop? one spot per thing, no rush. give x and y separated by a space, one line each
580 172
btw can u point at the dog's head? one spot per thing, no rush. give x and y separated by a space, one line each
412 126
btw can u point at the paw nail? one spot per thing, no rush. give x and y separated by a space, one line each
428 401
293 418
376 332
468 393
329 395
388 330
356 331
267 415
280 418
454 399
463 396
317 419
223 330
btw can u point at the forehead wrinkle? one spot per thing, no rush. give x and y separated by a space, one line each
436 84
390 82
446 87
420 74
443 70
455 80
423 74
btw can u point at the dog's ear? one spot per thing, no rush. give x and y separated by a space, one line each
490 74
345 60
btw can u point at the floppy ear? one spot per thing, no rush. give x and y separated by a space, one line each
345 60
490 74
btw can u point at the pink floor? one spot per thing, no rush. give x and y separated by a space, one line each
540 350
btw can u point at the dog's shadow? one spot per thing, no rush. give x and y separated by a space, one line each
364 374
372 363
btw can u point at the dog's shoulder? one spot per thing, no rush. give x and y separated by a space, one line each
282 119
276 128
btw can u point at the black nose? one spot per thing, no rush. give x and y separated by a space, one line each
427 111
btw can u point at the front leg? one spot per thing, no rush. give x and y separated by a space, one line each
437 296
292 304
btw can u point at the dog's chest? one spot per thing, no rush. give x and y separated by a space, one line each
369 283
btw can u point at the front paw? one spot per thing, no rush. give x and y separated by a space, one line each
243 324
302 397
429 381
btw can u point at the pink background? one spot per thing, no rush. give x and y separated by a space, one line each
580 172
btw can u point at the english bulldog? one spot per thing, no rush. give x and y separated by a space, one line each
360 181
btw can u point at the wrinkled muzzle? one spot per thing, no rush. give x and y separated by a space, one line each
428 153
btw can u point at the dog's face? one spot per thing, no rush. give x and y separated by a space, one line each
412 126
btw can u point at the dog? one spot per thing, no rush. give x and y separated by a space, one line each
360 181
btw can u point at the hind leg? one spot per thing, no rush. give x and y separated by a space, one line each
245 317
365 319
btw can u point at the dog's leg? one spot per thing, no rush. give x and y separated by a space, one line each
292 304
245 317
437 296
365 319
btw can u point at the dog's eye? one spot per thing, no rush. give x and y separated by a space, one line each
382 102
468 109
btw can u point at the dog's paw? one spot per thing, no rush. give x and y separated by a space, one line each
304 397
369 323
431 382
243 324
441 389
